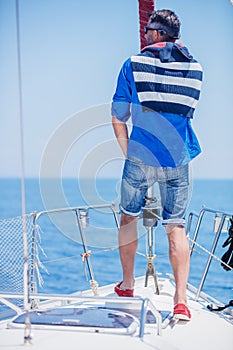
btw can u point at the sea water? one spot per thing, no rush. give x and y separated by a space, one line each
65 271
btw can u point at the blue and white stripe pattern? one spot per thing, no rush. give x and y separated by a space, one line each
171 86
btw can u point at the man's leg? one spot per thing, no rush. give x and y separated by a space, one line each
128 242
180 258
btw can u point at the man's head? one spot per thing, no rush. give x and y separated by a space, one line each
163 25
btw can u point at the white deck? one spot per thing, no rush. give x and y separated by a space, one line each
205 330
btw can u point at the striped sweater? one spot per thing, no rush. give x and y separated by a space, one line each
167 79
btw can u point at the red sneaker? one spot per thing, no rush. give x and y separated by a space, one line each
123 292
181 312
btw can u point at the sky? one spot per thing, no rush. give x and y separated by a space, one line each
71 53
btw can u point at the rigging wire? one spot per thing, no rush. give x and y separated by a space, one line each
27 332
23 200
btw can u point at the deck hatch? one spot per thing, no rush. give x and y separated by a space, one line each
96 317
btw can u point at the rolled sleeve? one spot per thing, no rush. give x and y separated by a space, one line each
123 96
121 110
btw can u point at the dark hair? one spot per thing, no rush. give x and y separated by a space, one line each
166 20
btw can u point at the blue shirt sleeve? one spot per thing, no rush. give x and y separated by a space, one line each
123 95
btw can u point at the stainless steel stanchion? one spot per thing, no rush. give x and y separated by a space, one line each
151 215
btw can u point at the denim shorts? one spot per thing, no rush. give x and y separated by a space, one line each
174 187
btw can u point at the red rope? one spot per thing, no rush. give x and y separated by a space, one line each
145 6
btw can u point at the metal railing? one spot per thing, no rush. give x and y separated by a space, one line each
220 221
12 262
82 218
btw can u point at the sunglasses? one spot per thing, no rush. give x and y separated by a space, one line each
161 31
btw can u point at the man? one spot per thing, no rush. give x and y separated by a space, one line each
159 88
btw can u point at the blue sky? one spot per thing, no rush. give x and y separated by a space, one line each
71 54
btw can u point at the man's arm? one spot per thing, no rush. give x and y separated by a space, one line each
121 132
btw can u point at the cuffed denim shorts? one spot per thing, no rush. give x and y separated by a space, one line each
173 185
